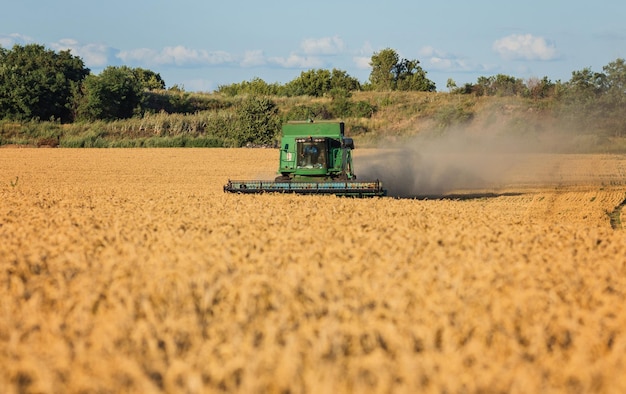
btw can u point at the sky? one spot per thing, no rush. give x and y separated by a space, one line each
202 44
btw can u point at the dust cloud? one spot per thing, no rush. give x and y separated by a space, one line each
438 164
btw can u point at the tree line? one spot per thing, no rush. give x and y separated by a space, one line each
40 84
389 73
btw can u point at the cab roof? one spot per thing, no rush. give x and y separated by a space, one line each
314 129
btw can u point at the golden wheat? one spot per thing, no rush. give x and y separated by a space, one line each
131 271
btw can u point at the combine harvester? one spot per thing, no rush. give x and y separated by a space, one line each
315 158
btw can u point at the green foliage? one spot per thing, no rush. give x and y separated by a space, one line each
181 102
410 76
389 72
116 93
167 101
451 85
499 85
340 79
585 85
315 111
41 92
255 86
507 86
9 129
397 116
362 109
383 64
92 141
615 98
36 83
94 136
593 100
467 88
540 88
201 129
342 106
258 121
315 83
318 83
453 114
616 81
340 102
149 79
310 83
182 141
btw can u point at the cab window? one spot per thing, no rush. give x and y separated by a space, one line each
312 154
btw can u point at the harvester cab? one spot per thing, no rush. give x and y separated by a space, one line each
315 158
315 150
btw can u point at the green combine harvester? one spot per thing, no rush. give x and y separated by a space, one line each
315 158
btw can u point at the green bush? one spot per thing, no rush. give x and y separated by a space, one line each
363 109
316 111
450 115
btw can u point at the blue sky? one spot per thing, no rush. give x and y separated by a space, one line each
201 44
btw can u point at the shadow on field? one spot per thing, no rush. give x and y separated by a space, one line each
615 216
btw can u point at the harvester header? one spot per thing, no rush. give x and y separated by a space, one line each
314 158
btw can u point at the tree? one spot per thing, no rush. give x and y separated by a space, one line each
615 81
410 76
498 85
310 83
383 64
149 79
341 104
595 101
255 86
116 93
389 72
587 83
36 83
540 88
258 121
615 98
506 85
320 82
340 79
450 84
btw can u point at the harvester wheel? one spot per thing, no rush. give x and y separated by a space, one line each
282 178
343 177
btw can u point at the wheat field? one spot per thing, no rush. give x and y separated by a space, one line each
130 271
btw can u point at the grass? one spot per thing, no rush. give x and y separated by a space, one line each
394 116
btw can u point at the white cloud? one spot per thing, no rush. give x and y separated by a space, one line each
364 56
140 55
525 47
439 60
429 51
94 55
297 61
366 49
178 55
253 59
8 40
362 62
450 64
439 63
323 46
